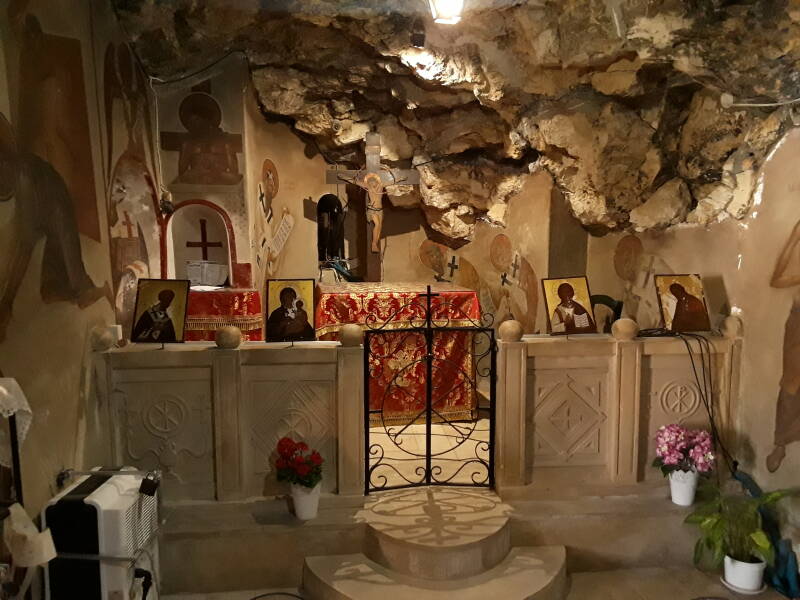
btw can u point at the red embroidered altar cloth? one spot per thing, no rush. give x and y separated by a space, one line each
397 386
210 310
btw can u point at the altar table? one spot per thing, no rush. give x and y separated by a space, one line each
210 310
397 383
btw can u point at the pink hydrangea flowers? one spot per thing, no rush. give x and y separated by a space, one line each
681 449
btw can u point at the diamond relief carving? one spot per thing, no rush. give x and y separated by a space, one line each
568 420
300 409
573 415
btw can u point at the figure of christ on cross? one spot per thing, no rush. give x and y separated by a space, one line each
204 244
374 179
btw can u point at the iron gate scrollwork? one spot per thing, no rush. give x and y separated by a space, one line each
430 383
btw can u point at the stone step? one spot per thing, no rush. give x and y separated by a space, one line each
225 546
219 546
436 533
608 532
655 583
525 574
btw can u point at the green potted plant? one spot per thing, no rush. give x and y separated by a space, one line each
731 533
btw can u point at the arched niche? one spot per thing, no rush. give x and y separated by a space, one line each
330 228
199 230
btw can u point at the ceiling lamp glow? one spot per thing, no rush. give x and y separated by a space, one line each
447 11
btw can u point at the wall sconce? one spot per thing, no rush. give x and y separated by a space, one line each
447 12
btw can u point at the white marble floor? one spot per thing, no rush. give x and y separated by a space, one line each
459 452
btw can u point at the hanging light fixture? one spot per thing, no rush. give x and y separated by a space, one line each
447 12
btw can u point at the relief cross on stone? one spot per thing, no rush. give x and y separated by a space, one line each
564 420
374 178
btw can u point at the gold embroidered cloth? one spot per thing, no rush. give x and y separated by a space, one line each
397 386
210 310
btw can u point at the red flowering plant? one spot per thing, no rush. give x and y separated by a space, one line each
297 463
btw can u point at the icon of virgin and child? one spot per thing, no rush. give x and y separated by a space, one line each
289 322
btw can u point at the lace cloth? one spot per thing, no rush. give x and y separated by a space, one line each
13 402
28 547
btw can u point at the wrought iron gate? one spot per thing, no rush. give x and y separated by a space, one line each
429 372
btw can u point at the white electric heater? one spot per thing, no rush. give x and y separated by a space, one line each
104 529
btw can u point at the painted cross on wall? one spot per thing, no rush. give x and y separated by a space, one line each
204 244
453 265
128 224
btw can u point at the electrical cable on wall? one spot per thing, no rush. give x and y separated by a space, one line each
707 391
728 101
705 387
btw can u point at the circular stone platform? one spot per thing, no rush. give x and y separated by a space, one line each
436 533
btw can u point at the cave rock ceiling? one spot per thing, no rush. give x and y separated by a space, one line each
619 100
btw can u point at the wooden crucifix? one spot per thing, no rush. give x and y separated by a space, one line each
374 179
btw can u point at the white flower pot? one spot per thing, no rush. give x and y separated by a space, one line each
682 486
306 501
748 577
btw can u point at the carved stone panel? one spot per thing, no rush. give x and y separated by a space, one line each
164 419
670 395
568 416
299 402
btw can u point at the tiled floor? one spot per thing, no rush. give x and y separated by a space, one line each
459 452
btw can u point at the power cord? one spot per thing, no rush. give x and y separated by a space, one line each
153 574
705 387
147 580
707 391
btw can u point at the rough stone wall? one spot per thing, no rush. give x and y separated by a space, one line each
620 100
